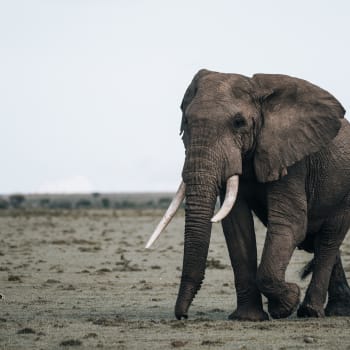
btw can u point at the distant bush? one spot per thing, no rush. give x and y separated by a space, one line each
4 204
149 204
125 204
44 202
164 202
106 203
16 200
96 194
128 204
83 204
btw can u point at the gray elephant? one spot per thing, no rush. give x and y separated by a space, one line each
279 147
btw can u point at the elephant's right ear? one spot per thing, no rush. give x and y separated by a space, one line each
190 94
299 118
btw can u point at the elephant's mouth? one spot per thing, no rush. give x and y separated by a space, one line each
229 201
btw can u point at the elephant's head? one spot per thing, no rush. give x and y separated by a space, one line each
231 123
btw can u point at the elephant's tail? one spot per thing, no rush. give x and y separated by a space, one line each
307 269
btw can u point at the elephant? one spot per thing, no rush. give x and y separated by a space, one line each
278 147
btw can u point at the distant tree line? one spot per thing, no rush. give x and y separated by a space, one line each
92 201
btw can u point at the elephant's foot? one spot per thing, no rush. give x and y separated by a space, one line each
339 307
248 314
308 310
285 305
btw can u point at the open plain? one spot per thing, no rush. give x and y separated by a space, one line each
82 279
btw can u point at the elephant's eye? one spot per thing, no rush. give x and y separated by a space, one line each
239 121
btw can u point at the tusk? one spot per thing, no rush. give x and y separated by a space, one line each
230 198
169 214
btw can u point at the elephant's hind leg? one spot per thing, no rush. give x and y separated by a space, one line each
327 245
338 292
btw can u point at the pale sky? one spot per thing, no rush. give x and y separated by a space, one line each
90 90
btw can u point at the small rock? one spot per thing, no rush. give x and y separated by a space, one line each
216 310
211 342
103 270
67 287
309 340
146 287
108 322
178 343
178 324
26 331
52 281
90 335
13 278
215 264
71 342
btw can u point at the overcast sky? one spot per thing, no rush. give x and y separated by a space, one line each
90 90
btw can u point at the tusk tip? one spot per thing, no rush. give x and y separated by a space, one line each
148 245
214 220
169 214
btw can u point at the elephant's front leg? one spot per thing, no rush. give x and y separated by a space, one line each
287 222
239 232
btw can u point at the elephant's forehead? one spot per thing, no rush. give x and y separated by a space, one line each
216 82
222 84
220 95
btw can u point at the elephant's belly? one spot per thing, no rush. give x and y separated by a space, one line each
314 226
321 210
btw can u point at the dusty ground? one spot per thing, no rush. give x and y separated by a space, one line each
82 279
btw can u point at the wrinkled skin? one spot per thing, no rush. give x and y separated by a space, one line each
290 145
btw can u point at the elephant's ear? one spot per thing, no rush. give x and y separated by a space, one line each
299 118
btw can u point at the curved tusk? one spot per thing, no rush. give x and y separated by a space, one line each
169 214
230 198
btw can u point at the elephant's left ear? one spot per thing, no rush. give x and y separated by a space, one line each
299 118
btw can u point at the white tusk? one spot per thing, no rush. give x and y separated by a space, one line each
230 198
169 214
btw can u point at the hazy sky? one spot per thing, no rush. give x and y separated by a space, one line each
90 90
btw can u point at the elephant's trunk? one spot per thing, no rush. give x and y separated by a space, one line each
200 203
207 168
